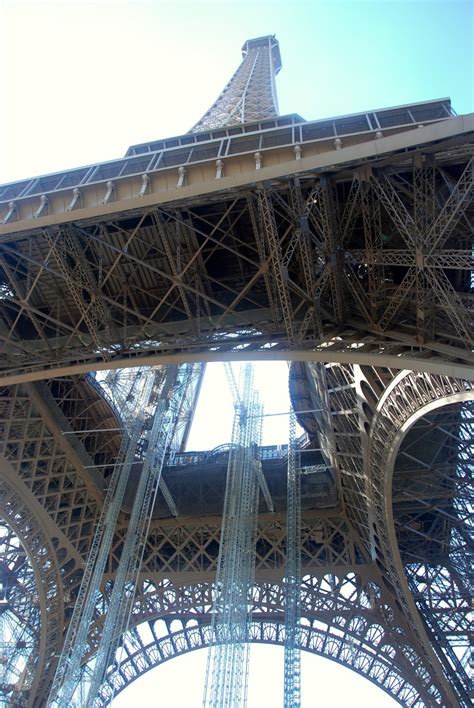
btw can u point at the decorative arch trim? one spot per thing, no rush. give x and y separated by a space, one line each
346 616
356 657
21 518
411 396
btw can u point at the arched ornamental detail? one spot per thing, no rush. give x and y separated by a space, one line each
41 612
364 424
326 541
409 398
346 618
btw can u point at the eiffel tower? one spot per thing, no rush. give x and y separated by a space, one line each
343 245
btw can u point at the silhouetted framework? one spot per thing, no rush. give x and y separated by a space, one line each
343 245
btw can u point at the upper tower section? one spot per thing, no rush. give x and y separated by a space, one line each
250 94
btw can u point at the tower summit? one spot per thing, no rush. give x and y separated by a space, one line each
250 95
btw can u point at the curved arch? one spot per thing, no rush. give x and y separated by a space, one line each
377 668
411 396
363 471
19 611
42 557
346 616
84 403
323 355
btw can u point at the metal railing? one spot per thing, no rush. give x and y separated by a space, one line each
225 142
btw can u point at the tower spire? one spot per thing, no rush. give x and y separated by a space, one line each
250 95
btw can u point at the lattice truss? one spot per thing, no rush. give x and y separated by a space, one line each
345 617
433 500
228 661
354 605
422 543
19 613
292 661
374 260
250 95
45 594
369 258
138 406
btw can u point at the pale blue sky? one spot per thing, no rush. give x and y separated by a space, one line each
82 80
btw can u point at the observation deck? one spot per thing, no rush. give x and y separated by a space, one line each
51 198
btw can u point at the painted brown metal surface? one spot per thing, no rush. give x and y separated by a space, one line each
345 245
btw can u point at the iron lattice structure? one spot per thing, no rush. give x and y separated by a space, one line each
250 95
228 660
344 245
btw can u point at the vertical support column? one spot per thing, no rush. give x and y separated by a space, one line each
292 668
69 666
280 270
123 593
74 268
314 281
423 215
334 255
373 246
227 666
323 212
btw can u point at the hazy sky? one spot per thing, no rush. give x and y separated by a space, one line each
179 684
81 80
